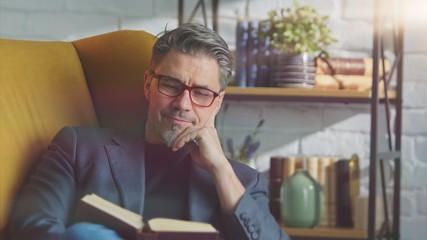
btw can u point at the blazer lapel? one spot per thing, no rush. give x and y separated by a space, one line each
203 198
127 167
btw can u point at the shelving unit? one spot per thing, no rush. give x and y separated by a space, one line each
200 4
345 97
326 233
332 96
303 95
373 98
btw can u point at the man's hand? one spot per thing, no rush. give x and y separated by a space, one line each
206 152
204 145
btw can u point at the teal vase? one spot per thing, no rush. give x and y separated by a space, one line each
301 201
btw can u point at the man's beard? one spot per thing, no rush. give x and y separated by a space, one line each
169 136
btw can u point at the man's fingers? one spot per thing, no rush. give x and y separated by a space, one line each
184 138
193 134
211 120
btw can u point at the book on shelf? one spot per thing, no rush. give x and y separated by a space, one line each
242 36
343 203
312 167
323 170
322 178
92 208
252 56
263 58
331 204
274 186
348 73
349 82
290 164
252 53
349 66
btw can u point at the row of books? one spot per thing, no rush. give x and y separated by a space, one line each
252 55
348 73
255 59
338 177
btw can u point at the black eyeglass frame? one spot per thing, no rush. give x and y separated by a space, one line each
184 87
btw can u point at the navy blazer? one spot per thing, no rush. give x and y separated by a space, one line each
110 163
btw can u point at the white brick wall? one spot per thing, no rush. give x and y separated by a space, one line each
290 128
32 6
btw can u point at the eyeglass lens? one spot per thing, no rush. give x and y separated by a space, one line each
172 87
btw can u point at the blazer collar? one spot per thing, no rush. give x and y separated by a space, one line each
127 165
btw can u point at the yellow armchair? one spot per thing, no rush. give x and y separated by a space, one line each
44 86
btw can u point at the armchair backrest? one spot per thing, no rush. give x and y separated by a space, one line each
44 86
114 65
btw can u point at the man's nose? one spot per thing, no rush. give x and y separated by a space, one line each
183 100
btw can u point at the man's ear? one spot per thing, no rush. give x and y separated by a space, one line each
218 103
147 84
217 107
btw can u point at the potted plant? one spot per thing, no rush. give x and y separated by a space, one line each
297 30
298 35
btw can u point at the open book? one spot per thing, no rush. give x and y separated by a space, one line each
130 225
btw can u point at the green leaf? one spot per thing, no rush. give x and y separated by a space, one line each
298 29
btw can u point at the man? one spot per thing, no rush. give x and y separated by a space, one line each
172 167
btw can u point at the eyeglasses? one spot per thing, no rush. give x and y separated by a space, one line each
172 87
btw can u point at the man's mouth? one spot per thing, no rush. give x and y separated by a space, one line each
179 121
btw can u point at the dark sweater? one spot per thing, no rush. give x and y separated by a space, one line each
166 183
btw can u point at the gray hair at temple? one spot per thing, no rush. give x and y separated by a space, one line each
194 39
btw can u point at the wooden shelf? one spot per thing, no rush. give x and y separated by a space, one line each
302 95
328 233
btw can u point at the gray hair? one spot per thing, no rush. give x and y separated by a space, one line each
194 39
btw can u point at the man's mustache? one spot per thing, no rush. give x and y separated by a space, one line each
177 114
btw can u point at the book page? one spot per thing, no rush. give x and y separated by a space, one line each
125 215
174 225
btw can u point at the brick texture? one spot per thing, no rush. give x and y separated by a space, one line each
290 128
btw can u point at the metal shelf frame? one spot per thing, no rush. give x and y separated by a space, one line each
390 229
200 4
